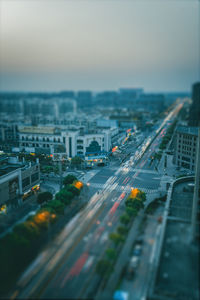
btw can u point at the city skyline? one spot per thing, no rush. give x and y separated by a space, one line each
86 45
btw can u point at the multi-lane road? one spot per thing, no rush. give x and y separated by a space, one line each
67 268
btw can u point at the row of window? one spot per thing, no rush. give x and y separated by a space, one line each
30 179
188 159
185 165
40 139
187 143
187 148
187 137
186 153
35 145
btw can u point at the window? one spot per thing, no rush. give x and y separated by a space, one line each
34 177
25 182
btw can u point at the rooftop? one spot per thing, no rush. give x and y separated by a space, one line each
178 271
187 130
39 130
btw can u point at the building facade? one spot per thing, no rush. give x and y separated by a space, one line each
77 141
17 179
186 147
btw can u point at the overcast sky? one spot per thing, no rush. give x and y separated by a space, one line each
96 45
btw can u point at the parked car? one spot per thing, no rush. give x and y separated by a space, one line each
132 266
137 250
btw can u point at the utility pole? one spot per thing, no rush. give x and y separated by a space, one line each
196 189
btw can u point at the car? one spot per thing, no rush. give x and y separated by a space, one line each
137 250
132 266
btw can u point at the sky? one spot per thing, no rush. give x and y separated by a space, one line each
52 45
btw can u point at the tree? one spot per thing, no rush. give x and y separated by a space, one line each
71 188
111 253
44 197
116 238
57 205
76 160
122 230
64 196
69 179
28 230
125 219
137 204
103 267
132 212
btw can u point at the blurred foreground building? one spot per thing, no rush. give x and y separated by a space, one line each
17 179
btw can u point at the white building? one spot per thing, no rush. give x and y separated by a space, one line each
50 140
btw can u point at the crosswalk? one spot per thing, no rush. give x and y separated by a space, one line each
121 188
135 170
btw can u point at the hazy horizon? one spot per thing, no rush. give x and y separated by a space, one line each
51 46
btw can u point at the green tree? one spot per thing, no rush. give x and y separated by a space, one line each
111 253
69 179
64 196
76 160
132 212
116 238
71 188
44 197
125 219
28 230
57 205
104 267
137 204
122 230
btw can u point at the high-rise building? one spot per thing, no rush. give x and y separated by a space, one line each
194 117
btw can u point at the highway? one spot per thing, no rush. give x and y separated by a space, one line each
67 268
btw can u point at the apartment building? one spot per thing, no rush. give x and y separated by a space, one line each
186 147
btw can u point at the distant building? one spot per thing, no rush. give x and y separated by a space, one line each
41 139
17 179
77 141
185 147
150 102
8 136
84 99
194 117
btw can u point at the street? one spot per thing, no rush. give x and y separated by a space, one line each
66 269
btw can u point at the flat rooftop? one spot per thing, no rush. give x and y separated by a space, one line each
178 272
188 130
